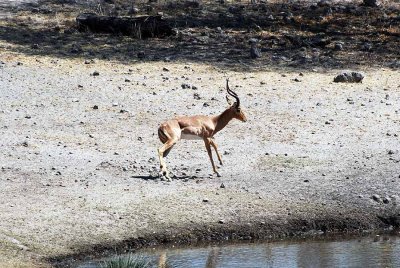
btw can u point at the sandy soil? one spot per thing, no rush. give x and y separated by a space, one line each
76 179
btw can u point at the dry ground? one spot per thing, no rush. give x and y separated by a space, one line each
77 180
72 177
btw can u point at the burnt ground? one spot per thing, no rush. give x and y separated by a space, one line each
297 35
315 157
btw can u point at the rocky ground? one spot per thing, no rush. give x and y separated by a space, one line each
79 137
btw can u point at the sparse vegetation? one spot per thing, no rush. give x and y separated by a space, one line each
127 261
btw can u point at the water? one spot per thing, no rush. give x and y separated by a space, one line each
382 251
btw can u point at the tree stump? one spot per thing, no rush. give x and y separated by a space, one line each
140 27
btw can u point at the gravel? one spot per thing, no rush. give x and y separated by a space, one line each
95 197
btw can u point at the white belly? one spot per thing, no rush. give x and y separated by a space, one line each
190 137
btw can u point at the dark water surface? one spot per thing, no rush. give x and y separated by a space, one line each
377 251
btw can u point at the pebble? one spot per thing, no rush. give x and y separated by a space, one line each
338 46
222 186
376 197
205 200
386 200
184 86
95 107
89 61
96 73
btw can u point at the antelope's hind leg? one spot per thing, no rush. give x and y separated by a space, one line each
169 138
163 151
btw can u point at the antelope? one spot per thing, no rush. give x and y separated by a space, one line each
198 127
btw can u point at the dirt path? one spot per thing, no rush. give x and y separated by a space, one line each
75 178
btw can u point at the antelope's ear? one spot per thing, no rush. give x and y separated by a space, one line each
228 100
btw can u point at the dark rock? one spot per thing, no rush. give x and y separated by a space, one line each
95 73
165 69
133 11
367 47
184 86
386 200
192 4
141 55
376 197
371 3
221 221
338 46
196 96
35 46
222 186
323 3
75 48
89 61
205 200
349 77
95 107
255 52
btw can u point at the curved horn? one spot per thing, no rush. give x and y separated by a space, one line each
233 94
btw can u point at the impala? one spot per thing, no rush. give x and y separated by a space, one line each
197 127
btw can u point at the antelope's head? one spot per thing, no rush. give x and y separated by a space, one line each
235 107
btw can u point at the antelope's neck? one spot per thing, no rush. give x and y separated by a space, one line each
222 120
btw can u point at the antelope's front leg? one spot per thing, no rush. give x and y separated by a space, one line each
214 145
208 147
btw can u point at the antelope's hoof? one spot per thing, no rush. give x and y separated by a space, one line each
165 178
